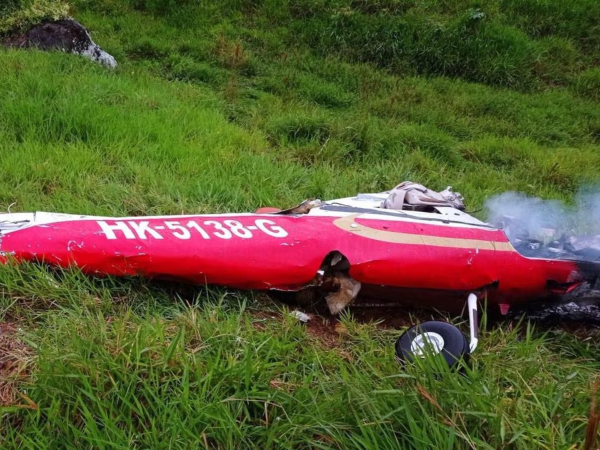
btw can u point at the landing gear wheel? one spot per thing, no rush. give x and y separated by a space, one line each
433 338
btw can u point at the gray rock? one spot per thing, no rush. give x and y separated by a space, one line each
67 35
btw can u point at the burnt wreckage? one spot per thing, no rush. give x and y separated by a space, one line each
410 245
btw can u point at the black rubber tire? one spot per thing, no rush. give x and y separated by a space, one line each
456 346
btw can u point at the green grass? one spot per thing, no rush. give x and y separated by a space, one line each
18 15
121 365
522 44
228 106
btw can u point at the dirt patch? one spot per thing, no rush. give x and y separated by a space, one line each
322 327
395 317
326 329
15 360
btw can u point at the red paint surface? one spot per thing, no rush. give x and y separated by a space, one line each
287 255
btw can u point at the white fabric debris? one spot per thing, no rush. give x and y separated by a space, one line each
409 193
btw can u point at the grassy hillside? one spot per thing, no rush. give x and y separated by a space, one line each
228 106
18 15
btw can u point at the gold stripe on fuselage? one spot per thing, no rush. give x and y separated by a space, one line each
348 224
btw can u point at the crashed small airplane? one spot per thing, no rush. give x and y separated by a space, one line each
409 245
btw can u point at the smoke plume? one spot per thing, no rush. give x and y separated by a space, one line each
540 219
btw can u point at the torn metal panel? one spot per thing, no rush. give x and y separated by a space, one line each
346 292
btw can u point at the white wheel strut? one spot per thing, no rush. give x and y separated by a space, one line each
473 322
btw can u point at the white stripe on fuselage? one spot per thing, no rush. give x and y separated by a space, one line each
367 208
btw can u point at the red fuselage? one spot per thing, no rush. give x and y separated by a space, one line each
387 253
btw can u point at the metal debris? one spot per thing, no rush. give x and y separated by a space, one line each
302 317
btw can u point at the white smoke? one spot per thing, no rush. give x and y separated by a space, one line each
588 209
544 220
